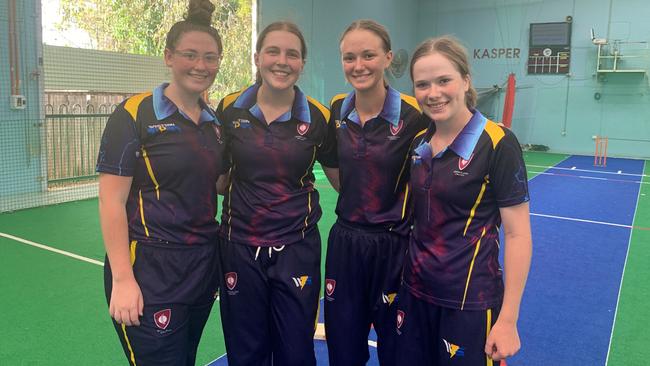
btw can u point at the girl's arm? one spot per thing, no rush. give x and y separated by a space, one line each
503 340
126 303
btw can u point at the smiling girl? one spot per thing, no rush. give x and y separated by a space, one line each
374 126
160 157
468 178
271 244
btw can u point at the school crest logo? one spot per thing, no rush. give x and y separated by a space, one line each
462 163
231 280
162 318
302 128
400 318
394 130
330 286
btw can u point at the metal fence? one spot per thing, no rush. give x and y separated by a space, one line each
72 142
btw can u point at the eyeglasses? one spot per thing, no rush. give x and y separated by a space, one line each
211 60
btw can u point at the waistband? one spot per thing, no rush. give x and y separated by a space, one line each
168 244
365 228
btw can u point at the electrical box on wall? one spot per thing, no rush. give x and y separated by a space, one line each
18 102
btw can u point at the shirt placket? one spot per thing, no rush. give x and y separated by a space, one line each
268 136
362 143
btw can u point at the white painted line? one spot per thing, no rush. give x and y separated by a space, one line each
620 286
584 170
585 177
545 167
216 359
59 251
596 178
581 220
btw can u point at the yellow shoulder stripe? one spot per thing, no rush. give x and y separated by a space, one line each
337 97
420 134
133 103
411 101
231 98
495 131
322 108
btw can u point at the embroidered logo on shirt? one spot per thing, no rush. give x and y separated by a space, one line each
453 349
340 124
243 123
162 318
423 151
301 281
231 280
330 286
416 159
394 130
462 163
302 128
163 127
400 319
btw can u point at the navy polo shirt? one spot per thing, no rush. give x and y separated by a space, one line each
453 256
271 199
174 163
373 160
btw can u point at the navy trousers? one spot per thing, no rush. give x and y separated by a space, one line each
269 302
433 335
362 277
179 283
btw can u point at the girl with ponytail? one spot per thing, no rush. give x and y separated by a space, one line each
161 156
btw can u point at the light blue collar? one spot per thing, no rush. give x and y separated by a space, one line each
390 112
466 141
164 107
300 109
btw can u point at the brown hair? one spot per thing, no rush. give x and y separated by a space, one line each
198 18
454 51
371 26
280 26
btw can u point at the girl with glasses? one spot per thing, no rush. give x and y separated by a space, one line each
161 156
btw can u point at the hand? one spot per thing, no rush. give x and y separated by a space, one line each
503 341
126 302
